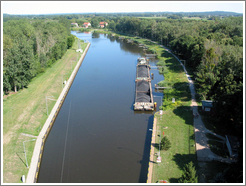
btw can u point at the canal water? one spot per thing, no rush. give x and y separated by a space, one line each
97 137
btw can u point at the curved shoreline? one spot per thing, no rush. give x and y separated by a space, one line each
38 149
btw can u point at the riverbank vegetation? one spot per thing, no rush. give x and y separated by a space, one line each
30 47
213 54
212 51
25 113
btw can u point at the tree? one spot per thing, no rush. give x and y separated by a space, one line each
189 174
165 143
94 22
70 41
228 91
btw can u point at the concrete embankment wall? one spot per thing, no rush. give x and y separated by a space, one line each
151 154
38 149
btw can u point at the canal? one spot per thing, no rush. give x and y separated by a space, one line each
97 137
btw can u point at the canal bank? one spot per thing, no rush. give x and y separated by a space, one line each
152 153
38 150
90 136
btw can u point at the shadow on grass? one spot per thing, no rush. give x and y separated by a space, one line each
174 180
17 153
182 90
183 159
185 113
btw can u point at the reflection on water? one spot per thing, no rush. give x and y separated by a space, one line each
97 137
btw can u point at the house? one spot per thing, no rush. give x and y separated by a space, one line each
75 24
207 105
86 24
102 24
232 145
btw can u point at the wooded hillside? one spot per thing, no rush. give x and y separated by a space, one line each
29 47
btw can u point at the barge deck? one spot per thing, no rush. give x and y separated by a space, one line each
143 90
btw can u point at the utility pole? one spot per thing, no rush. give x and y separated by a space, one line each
48 97
25 150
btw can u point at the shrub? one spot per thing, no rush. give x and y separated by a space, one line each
189 174
165 143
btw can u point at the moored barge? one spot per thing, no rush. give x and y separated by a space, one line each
143 90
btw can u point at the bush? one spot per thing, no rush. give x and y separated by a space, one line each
189 174
70 41
165 143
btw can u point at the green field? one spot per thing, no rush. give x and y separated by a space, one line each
176 121
25 113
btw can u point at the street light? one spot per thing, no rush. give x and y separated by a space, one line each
159 155
25 150
63 75
47 97
161 103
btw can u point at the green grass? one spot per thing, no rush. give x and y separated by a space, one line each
178 118
25 112
181 134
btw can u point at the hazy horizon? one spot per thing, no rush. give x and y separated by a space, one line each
83 7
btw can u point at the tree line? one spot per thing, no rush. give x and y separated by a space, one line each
30 46
213 50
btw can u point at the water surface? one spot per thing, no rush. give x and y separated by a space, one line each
97 137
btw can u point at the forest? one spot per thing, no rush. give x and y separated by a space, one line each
30 46
212 49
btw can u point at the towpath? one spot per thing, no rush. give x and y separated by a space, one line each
37 153
202 148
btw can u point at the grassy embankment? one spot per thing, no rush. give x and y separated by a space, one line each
176 121
25 113
177 118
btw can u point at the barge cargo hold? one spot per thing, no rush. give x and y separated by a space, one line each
143 96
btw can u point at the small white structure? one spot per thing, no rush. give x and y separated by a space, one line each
75 24
23 179
86 24
79 50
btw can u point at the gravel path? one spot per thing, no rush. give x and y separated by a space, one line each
202 148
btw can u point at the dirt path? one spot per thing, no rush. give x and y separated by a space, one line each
202 148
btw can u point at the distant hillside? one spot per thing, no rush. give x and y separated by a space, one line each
131 14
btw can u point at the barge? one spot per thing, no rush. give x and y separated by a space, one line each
143 90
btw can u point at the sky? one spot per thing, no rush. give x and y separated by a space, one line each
52 7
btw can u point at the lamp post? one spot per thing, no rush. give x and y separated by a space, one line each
25 150
65 74
161 103
47 97
159 155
